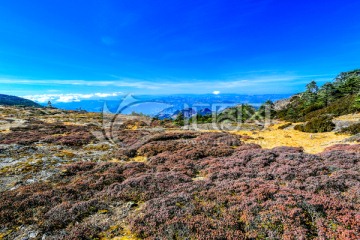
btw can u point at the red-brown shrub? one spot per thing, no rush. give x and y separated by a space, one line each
202 186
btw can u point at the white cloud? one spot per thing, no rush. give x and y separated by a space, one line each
68 98
102 95
216 92
75 97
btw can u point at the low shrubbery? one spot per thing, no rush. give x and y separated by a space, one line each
198 186
352 129
37 131
317 125
286 125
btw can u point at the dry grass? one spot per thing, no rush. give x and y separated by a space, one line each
349 117
125 233
139 159
65 153
114 160
274 137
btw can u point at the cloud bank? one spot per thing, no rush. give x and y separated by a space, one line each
64 98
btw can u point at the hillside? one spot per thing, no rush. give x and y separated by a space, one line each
318 106
71 175
8 100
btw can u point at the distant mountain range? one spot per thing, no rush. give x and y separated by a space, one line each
166 106
8 100
187 113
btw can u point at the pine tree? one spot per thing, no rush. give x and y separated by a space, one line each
310 95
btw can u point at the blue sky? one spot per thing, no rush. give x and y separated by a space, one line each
165 47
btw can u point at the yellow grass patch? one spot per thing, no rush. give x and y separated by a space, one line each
68 123
114 160
311 142
97 147
139 159
124 232
125 238
65 153
3 235
199 178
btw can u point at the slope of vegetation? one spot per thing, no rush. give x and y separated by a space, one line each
195 186
17 101
319 106
170 184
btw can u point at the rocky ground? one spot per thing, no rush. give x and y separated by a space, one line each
75 175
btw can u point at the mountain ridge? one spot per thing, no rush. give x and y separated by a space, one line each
9 100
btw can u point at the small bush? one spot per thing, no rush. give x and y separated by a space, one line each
352 129
286 125
299 127
317 125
